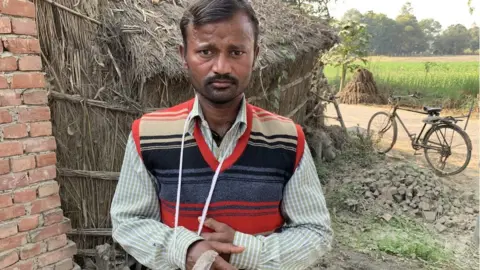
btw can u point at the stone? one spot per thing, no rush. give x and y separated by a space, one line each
402 190
469 210
409 180
368 194
425 206
422 177
389 202
368 180
442 220
476 234
450 213
387 217
401 174
376 193
429 215
440 227
468 195
440 209
393 190
456 203
398 198
420 192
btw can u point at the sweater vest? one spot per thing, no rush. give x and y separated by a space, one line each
249 189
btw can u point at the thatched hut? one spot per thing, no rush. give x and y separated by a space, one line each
110 61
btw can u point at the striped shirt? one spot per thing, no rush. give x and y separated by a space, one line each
135 214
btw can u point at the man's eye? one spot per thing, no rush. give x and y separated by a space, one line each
205 52
237 53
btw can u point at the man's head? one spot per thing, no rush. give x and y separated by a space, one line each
219 47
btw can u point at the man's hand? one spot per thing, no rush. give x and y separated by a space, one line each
198 248
222 232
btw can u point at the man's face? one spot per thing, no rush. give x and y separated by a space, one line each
220 58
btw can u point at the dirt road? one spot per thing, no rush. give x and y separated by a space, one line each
360 115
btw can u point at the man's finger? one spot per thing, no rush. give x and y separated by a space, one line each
221 264
219 237
226 247
214 225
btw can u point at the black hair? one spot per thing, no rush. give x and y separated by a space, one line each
203 12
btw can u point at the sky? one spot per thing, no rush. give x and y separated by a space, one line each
447 12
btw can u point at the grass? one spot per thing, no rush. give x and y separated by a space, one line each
447 81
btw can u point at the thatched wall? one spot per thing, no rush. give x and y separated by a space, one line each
106 70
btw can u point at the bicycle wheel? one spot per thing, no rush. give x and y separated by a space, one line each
383 129
447 142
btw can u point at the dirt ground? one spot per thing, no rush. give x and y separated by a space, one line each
360 115
344 257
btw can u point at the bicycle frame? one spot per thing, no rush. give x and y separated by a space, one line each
410 135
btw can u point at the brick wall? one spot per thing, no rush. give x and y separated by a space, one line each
32 225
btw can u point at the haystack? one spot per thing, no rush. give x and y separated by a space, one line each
362 89
111 61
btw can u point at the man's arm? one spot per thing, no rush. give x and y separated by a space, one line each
307 235
135 214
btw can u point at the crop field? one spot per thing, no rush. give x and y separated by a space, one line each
452 82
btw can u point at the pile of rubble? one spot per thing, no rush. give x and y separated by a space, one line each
407 189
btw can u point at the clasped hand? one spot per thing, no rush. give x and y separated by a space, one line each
221 240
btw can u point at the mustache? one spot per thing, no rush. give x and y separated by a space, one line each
222 77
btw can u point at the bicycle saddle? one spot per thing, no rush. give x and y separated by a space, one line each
432 109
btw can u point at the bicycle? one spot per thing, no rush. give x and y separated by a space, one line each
434 139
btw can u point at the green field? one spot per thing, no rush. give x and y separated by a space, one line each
451 82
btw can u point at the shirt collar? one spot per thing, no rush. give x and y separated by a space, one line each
196 113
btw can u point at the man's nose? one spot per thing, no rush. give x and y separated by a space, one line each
222 65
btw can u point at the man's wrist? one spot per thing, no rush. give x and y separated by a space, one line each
185 239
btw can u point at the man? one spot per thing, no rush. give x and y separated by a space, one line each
216 173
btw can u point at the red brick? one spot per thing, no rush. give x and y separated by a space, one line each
3 82
30 62
28 80
22 164
35 97
5 116
33 114
13 180
10 98
28 223
4 168
56 242
8 258
14 131
25 195
1 47
41 129
46 159
18 8
50 231
5 25
13 242
8 63
6 200
23 26
42 205
12 212
64 265
48 189
31 250
52 217
21 45
57 255
42 174
22 265
10 148
8 229
39 144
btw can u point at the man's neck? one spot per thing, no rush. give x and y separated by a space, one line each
220 117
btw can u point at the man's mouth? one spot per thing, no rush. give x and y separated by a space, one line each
222 83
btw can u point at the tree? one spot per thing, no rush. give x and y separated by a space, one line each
412 36
352 15
352 47
474 38
384 33
431 29
454 40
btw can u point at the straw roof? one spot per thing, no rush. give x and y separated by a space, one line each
147 35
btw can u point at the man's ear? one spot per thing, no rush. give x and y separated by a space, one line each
182 52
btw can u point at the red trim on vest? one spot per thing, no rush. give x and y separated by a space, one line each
249 224
136 136
237 152
300 145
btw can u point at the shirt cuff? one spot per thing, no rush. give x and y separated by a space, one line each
178 254
250 256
